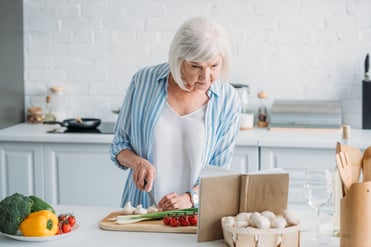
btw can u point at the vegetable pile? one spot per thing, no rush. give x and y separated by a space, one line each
180 220
133 218
263 220
65 223
30 215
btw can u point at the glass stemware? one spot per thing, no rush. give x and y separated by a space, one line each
318 190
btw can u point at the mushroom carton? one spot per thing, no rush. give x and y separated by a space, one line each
225 195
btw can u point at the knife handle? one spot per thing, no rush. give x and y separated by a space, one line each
367 64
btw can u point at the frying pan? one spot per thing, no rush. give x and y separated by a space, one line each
78 123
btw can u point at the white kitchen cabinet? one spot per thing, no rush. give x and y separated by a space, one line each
21 168
245 159
295 161
82 174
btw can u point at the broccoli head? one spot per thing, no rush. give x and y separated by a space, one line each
13 210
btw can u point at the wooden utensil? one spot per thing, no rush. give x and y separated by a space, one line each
345 170
355 159
366 166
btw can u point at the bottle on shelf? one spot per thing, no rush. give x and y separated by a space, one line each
263 118
345 135
58 103
49 116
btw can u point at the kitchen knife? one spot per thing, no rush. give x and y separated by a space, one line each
150 194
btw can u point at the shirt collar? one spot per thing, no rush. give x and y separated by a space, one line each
163 71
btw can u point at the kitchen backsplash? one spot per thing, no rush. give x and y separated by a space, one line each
291 49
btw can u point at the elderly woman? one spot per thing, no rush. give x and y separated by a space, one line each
178 117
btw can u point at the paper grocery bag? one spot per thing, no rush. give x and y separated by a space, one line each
228 195
219 197
355 216
264 192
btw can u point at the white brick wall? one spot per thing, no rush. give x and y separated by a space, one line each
292 49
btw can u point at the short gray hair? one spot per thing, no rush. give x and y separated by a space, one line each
199 39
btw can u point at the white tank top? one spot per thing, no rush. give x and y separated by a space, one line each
177 150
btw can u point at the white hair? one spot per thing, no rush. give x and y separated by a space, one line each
199 39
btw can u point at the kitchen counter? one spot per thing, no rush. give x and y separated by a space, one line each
26 132
360 138
89 233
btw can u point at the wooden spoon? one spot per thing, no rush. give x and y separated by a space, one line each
366 166
345 170
355 159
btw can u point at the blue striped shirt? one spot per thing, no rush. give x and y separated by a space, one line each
141 109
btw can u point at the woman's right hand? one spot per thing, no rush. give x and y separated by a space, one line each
144 175
142 169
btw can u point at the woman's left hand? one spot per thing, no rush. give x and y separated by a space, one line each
174 201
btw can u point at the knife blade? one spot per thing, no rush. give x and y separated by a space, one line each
150 194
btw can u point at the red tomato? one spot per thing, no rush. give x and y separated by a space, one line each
193 219
174 221
66 227
62 217
166 220
72 220
59 230
184 220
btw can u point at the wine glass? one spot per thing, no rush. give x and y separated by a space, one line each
318 189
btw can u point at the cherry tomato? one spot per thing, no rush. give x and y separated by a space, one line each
183 220
66 227
174 221
72 220
62 217
166 220
59 230
193 219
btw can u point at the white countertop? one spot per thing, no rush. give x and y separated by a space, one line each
89 233
27 132
360 138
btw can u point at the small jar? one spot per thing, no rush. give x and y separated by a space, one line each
34 115
58 103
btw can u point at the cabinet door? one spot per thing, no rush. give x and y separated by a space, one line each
82 175
21 169
245 159
295 161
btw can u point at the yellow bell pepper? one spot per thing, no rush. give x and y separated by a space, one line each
39 224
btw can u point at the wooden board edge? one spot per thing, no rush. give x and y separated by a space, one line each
106 224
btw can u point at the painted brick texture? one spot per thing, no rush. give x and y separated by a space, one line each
292 49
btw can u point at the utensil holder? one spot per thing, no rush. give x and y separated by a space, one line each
355 216
366 104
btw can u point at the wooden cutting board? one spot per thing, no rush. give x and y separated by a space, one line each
144 226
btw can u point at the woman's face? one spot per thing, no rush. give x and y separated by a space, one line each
200 75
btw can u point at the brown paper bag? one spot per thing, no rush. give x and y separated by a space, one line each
230 194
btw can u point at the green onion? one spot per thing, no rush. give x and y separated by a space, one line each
128 219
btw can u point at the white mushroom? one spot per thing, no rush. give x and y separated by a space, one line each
262 222
152 209
291 218
128 209
242 224
244 216
228 220
268 214
278 222
253 218
140 210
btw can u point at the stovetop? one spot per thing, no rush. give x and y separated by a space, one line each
103 128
